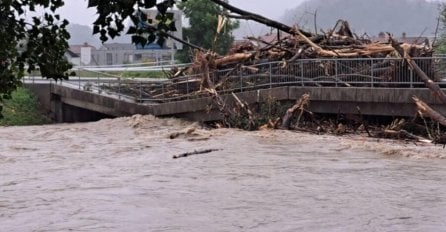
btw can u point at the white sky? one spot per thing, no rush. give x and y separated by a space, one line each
76 10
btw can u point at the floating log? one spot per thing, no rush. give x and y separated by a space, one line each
198 152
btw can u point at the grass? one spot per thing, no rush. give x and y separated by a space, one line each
22 109
144 74
124 74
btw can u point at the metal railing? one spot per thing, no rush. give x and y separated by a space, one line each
360 72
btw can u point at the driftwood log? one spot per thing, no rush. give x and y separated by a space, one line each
402 134
199 152
300 105
425 110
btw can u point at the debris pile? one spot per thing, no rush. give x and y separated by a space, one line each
336 57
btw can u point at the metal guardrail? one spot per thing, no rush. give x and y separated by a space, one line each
360 72
129 67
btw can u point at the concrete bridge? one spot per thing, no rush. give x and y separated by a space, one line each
67 104
378 86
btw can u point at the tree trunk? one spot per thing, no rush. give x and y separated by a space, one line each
427 81
300 104
259 18
237 57
424 109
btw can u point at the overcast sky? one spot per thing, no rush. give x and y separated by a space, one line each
76 10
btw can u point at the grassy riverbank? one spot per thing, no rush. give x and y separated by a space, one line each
124 74
23 109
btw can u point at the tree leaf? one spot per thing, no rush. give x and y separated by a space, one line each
96 29
93 3
132 30
161 41
162 7
152 38
149 3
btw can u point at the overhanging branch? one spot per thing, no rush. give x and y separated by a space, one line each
259 18
182 41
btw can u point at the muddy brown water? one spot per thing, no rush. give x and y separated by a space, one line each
119 175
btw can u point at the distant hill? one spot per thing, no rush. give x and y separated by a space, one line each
84 34
368 16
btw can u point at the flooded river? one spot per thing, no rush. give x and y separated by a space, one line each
119 175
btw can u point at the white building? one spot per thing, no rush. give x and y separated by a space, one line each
73 58
118 53
127 53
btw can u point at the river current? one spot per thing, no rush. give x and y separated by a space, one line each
119 175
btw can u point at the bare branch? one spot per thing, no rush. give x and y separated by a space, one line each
260 19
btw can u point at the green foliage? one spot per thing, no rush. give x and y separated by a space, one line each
203 20
124 74
441 43
29 44
141 74
113 13
263 113
202 16
271 109
22 109
440 47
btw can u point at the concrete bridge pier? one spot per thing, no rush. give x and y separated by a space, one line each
56 109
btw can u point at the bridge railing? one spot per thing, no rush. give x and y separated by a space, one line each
359 72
